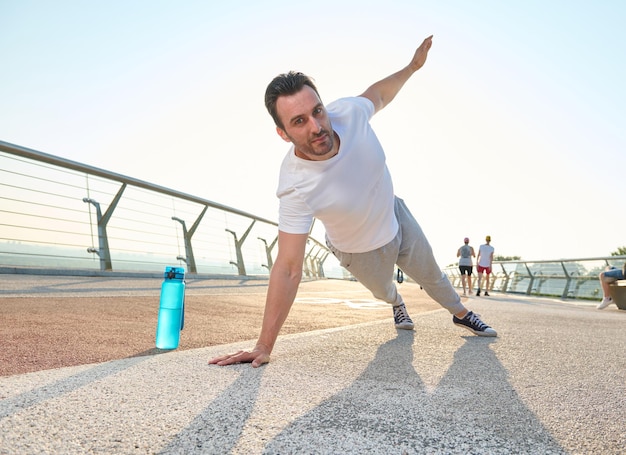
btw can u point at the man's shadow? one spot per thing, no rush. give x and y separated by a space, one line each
473 407
218 428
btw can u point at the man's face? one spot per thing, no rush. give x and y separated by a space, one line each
306 125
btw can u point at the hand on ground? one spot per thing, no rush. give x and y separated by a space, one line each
256 357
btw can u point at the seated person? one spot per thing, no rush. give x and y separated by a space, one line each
610 275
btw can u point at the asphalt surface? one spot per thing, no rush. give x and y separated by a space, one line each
552 382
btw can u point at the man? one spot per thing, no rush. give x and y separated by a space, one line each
335 171
610 275
466 253
484 261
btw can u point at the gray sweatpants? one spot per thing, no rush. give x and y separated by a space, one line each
410 251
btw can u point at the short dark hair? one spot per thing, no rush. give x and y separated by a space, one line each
283 85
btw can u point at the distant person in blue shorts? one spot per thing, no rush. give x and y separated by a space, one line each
610 275
465 255
335 171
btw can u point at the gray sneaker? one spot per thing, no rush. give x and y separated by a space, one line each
473 323
402 318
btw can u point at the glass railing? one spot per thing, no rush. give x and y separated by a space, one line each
564 278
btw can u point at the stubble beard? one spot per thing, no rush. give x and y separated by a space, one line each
310 148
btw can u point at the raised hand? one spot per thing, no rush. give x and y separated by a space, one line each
421 53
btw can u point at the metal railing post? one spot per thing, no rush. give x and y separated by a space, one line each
268 252
189 259
103 242
314 262
506 278
532 279
241 267
307 270
187 235
320 264
567 282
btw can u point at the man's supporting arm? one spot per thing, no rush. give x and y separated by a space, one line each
285 278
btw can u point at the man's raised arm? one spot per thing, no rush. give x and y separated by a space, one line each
382 92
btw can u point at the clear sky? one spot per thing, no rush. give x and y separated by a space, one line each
515 127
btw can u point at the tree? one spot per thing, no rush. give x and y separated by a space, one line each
506 258
621 251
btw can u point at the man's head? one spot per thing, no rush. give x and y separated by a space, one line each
300 117
488 238
466 240
285 85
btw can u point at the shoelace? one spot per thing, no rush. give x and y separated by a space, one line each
400 315
474 320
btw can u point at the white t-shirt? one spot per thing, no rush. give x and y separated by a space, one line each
350 193
485 251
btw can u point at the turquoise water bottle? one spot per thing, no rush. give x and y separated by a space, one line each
171 309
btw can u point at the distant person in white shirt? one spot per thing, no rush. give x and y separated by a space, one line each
465 255
484 261
335 171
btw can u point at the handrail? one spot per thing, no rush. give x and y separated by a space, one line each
129 227
76 166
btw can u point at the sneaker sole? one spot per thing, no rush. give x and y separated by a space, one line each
405 326
480 334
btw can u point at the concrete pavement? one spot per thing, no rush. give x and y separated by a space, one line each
554 381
